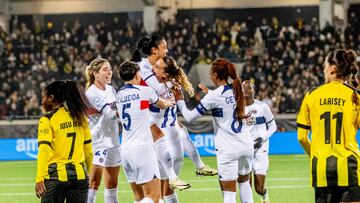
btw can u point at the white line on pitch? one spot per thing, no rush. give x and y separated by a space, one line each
189 190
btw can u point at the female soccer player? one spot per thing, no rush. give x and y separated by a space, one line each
233 141
165 70
137 152
332 113
64 144
262 125
155 48
104 130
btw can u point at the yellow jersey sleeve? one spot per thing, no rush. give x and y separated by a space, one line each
44 131
44 143
303 119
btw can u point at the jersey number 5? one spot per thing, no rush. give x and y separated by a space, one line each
327 120
126 116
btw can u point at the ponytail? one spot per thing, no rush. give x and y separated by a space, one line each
90 78
136 56
237 89
177 73
76 101
71 95
225 69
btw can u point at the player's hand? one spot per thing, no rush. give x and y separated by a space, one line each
258 143
203 88
178 94
40 189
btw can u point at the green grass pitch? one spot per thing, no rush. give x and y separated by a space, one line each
287 181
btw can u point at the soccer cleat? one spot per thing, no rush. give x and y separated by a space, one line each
178 184
265 198
206 171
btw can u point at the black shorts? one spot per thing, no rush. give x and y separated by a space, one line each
75 191
336 194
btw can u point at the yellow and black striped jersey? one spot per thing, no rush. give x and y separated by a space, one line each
66 139
333 118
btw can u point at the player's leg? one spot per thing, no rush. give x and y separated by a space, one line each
95 174
245 167
192 152
147 173
78 191
260 167
228 173
164 157
55 191
151 191
351 194
137 191
111 173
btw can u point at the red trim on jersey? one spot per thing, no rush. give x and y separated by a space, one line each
143 83
144 104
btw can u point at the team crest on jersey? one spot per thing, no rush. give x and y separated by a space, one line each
113 106
251 120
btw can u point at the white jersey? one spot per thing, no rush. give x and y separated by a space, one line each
133 105
230 135
164 118
149 78
260 121
104 126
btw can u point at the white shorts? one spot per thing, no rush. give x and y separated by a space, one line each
260 163
230 166
175 148
107 157
140 163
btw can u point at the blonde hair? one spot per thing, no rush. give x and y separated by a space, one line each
93 68
177 73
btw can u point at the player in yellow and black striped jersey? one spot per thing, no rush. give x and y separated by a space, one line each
332 113
64 144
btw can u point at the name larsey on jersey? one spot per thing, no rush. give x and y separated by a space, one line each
332 101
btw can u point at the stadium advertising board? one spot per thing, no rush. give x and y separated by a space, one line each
280 143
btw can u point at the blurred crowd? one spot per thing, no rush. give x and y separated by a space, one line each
283 61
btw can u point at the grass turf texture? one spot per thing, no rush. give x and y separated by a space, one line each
287 181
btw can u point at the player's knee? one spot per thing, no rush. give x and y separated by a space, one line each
260 189
112 183
94 184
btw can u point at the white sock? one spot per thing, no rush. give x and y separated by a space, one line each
91 196
136 202
173 198
229 197
110 195
146 200
190 148
164 157
161 201
245 192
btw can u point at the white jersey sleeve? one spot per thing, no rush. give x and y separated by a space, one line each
270 122
149 77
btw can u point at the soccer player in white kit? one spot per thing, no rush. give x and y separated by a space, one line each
261 124
233 142
155 48
137 151
104 130
166 69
